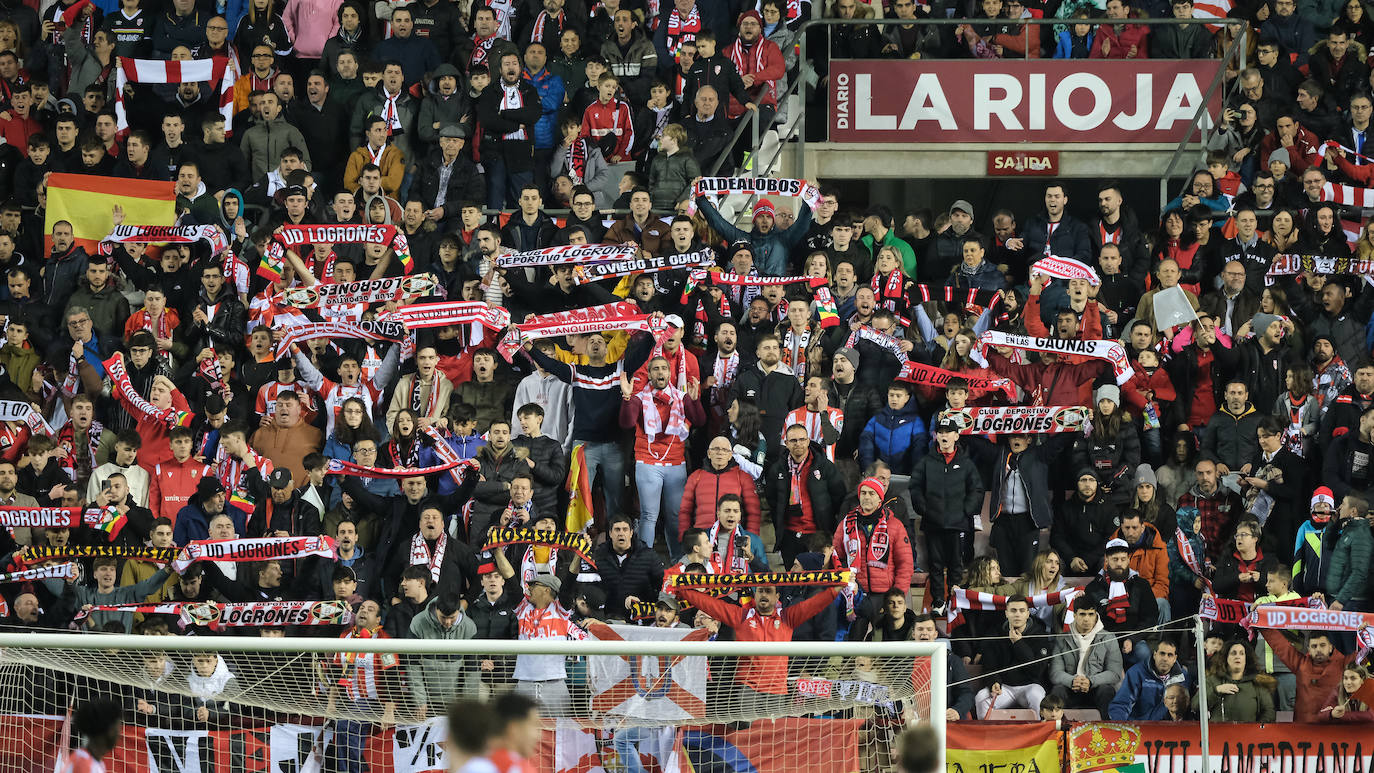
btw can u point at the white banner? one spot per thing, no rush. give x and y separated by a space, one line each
299 748
182 751
420 748
656 688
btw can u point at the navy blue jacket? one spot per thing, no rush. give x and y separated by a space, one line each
897 437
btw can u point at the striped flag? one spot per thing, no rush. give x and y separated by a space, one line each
1212 9
85 202
1353 229
1348 194
217 70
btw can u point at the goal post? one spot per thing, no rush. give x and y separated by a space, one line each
299 705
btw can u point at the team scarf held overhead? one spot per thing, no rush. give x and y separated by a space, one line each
883 341
567 255
338 466
165 234
172 417
972 299
41 554
383 290
614 269
1285 265
825 578
106 519
217 69
446 454
427 315
358 331
63 571
757 186
1065 268
621 315
1111 351
1235 612
745 280
938 378
558 540
1018 419
259 549
217 616
961 599
297 236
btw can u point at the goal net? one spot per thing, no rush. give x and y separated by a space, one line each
629 699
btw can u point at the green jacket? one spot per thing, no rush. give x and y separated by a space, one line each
1253 702
903 249
1347 580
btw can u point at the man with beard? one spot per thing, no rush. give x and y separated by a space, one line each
1055 232
1082 525
1234 304
1217 507
426 391
218 318
1319 670
507 112
661 415
873 544
771 245
1125 601
1330 375
859 402
450 563
722 365
947 249
1116 224
1200 370
1338 320
1347 468
771 386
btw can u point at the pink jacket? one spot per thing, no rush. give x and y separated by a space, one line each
311 23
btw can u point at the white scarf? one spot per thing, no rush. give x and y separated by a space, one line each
1084 642
207 687
391 112
512 99
653 422
420 553
376 157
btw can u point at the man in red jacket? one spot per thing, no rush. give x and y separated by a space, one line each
762 678
760 65
1318 670
174 482
873 544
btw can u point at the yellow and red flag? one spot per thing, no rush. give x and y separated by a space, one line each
85 201
1013 746
580 488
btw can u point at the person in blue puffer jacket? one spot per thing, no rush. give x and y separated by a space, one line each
897 436
551 89
1141 695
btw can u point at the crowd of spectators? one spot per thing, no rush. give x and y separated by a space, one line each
1235 462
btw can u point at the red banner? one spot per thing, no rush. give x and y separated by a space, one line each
1036 100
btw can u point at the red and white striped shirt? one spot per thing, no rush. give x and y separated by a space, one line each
81 761
812 421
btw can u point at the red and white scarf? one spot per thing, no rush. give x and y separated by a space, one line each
358 331
219 69
653 421
889 288
423 315
938 378
575 157
879 543
394 473
421 554
537 33
1111 351
481 49
1065 268
749 280
794 351
886 342
247 550
172 417
421 404
733 561
682 31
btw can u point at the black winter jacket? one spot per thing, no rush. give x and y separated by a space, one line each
1081 530
824 489
550 470
639 574
1026 658
946 493
776 394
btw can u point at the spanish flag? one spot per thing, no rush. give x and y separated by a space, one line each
85 201
1030 746
580 514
